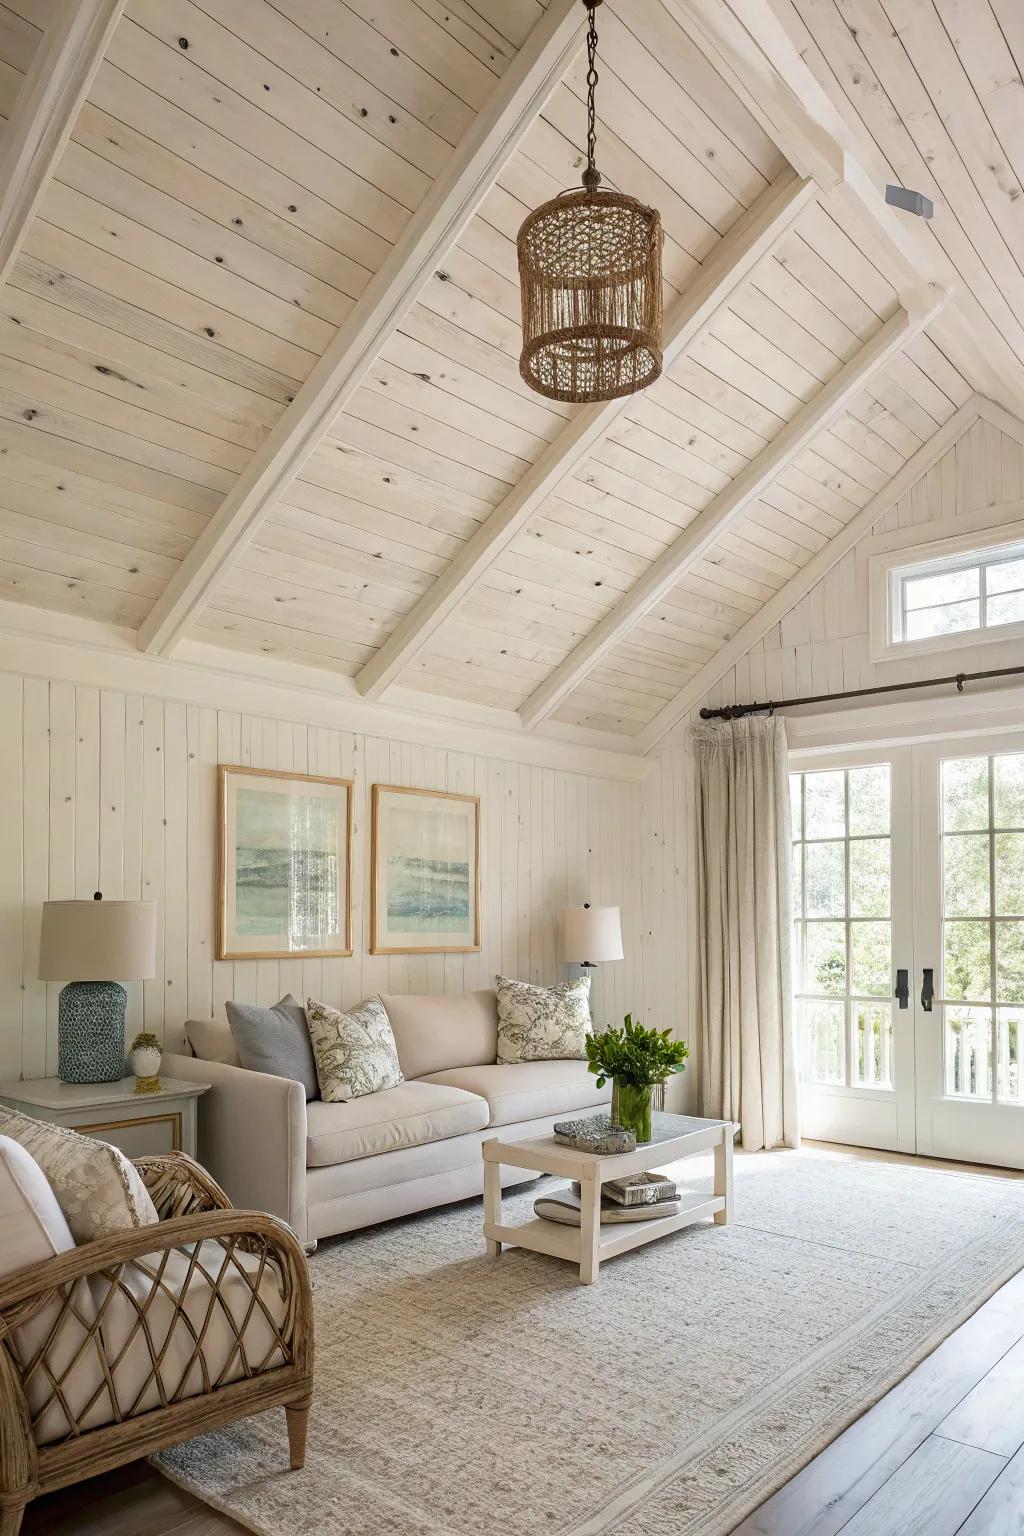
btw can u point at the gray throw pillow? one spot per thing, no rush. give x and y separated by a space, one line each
275 1040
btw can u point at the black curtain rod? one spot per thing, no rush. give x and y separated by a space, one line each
737 711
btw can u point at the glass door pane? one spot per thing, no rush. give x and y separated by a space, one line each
844 868
842 905
983 924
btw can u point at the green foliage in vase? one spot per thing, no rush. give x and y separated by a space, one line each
637 1056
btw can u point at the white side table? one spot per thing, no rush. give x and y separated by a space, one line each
138 1123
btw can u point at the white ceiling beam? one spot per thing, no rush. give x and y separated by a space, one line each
750 46
732 261
697 539
66 59
798 585
433 229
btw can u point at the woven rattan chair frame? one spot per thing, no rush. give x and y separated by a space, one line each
193 1210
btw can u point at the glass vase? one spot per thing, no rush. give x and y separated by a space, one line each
631 1108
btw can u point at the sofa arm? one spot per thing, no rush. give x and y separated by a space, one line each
252 1136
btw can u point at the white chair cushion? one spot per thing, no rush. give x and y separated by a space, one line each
32 1223
406 1116
527 1090
33 1228
96 1186
238 1336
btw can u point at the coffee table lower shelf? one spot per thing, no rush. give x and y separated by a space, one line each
563 1241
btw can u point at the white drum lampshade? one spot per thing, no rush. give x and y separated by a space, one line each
591 934
97 941
93 946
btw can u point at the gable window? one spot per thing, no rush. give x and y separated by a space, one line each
937 598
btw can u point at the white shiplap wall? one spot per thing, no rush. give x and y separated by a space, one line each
117 791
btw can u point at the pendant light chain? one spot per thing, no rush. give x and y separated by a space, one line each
590 274
591 176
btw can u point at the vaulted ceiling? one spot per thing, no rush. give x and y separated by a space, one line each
259 332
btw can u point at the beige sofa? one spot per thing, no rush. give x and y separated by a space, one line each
329 1168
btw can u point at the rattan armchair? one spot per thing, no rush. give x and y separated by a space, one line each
171 1281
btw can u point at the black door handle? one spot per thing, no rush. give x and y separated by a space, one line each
927 988
903 988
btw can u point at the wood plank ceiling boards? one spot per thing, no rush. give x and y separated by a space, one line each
259 334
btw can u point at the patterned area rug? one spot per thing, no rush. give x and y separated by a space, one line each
462 1396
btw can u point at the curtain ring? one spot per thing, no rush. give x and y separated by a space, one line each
961 678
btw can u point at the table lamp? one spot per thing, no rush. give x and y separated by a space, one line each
590 934
83 943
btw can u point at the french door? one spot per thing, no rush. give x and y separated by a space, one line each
970 922
853 931
908 869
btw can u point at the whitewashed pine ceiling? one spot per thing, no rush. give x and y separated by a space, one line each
241 169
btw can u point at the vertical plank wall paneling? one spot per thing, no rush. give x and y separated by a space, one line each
106 790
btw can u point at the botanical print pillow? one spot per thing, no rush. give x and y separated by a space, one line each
541 1023
97 1188
355 1052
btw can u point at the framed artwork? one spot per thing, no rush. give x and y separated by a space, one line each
285 861
425 877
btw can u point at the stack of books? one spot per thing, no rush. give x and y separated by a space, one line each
641 1189
638 1197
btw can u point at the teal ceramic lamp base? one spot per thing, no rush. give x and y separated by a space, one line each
90 1032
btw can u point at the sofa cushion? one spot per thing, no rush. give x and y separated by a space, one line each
212 1040
525 1090
406 1116
453 1029
275 1040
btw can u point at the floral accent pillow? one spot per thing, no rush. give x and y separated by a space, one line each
543 1023
355 1052
97 1188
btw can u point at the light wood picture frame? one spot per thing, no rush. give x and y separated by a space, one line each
284 857
425 872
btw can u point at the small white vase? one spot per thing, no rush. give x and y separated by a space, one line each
146 1066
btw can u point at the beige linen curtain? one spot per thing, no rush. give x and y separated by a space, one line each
744 925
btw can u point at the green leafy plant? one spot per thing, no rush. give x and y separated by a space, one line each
637 1056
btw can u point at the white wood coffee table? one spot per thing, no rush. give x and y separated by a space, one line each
673 1137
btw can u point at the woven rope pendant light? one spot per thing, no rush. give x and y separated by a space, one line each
590 274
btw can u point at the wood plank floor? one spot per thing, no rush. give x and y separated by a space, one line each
941 1455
